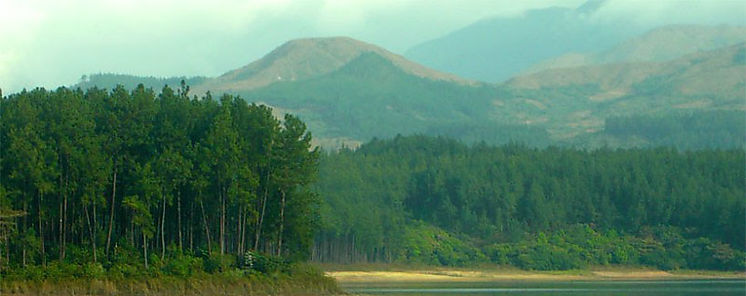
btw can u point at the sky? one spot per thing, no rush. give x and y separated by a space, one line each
50 43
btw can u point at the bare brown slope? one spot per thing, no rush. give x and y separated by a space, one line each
306 58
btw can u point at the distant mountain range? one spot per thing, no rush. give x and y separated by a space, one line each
581 98
658 45
498 48
349 91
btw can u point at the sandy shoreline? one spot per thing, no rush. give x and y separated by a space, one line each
454 275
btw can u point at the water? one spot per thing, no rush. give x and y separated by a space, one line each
647 288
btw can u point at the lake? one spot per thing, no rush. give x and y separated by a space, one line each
525 288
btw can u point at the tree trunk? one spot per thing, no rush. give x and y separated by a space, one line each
242 224
145 249
63 193
260 217
23 229
222 221
178 210
41 232
93 233
282 223
238 231
163 226
111 214
61 229
191 226
64 224
90 231
207 229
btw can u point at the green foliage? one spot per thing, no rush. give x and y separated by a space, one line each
186 266
219 263
424 244
698 130
634 206
114 181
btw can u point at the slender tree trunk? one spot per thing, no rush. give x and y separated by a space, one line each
25 225
191 226
90 231
61 229
163 223
112 205
222 221
93 233
178 210
64 223
238 231
207 229
63 199
145 249
242 224
282 223
41 232
260 217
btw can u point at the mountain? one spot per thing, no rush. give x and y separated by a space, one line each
371 97
307 58
497 48
582 98
658 45
349 92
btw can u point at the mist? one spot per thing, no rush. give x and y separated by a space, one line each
53 43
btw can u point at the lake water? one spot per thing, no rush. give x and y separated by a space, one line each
526 288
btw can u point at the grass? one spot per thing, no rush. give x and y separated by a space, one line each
302 283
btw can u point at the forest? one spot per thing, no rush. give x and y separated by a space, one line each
100 182
426 200
124 183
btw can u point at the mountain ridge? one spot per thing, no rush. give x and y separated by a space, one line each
660 44
495 49
305 58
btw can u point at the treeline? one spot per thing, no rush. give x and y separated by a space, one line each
697 130
480 198
130 82
120 177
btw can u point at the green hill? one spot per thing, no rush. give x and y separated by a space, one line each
372 97
301 59
581 98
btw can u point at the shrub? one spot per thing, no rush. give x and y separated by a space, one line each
215 263
183 266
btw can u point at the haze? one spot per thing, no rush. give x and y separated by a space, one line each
53 43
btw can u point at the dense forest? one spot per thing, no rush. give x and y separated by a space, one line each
108 182
117 180
697 130
431 200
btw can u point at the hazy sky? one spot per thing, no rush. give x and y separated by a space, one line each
53 42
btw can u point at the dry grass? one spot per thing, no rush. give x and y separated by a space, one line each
173 287
508 274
